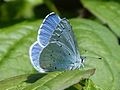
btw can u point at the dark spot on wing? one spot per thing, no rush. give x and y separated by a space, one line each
55 67
60 45
62 25
59 36
62 31
69 53
72 67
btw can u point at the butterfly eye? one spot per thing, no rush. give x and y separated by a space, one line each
82 58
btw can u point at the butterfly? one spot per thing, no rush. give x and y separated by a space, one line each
55 48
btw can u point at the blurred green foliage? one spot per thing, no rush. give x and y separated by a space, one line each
13 11
98 40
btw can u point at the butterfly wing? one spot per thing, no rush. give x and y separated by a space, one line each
58 57
60 53
55 48
47 28
34 52
64 34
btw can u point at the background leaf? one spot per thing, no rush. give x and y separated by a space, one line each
107 11
101 49
14 46
98 41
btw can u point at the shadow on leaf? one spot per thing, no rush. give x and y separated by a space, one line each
34 77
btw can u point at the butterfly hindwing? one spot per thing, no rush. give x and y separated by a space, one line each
35 51
57 57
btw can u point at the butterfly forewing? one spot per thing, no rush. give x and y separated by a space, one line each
63 33
47 28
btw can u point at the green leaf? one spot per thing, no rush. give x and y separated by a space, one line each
14 46
24 9
46 82
13 83
14 59
85 84
91 86
51 6
60 80
107 11
101 49
95 41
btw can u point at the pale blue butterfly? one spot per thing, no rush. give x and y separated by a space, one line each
55 48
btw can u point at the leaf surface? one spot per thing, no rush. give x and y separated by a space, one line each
107 11
101 49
